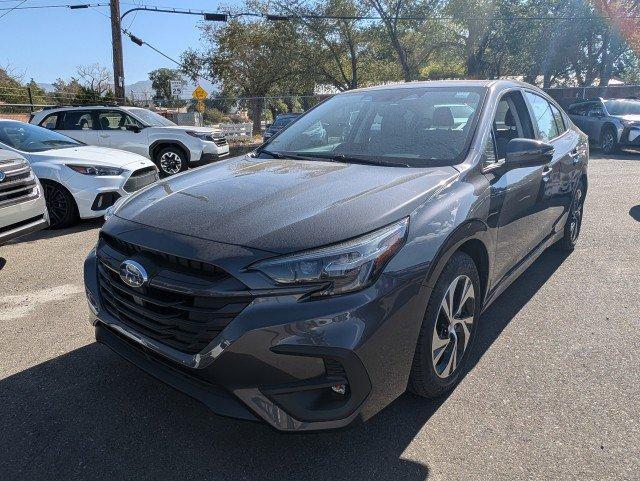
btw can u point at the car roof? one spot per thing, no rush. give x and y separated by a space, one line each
502 83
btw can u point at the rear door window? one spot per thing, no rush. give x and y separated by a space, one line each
50 122
76 120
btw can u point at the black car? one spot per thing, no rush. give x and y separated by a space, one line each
310 283
279 123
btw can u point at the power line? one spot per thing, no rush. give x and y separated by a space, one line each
9 10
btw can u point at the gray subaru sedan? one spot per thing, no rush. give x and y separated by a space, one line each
345 261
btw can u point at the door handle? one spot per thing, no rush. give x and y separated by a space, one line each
575 155
104 136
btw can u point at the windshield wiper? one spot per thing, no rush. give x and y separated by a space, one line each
287 155
360 160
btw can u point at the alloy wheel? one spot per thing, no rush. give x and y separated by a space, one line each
576 215
608 142
452 330
170 163
57 204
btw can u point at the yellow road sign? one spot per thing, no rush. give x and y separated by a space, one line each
200 94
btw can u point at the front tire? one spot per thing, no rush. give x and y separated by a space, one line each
448 329
574 220
609 141
170 161
62 207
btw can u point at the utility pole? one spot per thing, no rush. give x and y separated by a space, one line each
116 42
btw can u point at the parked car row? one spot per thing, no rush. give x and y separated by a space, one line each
610 123
81 160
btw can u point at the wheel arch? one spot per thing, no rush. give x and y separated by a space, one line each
158 145
611 126
472 238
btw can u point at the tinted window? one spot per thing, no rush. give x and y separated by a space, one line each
580 109
116 120
415 126
76 120
542 116
30 138
50 121
150 118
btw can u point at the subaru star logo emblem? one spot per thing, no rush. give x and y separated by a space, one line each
2 176
133 274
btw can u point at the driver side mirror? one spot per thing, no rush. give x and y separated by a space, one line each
133 128
527 153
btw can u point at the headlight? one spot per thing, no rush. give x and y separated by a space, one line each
95 170
344 267
199 135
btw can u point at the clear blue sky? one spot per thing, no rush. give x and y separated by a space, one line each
50 43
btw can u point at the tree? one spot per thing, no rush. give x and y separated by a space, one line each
95 80
246 57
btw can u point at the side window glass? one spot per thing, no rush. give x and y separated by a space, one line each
596 111
131 121
112 120
77 120
50 122
542 116
505 125
559 118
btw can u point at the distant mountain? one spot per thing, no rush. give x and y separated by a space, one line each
45 87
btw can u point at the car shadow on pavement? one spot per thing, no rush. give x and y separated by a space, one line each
82 226
635 212
90 415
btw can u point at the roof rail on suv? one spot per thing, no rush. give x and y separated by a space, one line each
51 107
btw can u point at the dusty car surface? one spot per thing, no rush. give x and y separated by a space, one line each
342 269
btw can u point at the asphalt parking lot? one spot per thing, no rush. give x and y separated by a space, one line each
553 392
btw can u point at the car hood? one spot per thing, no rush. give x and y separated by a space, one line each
283 205
630 118
90 155
203 130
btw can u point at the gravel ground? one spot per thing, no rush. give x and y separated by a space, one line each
553 392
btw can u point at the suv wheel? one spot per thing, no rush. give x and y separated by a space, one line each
62 208
171 160
574 221
609 142
448 329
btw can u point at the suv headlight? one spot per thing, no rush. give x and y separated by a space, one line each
345 267
95 170
199 135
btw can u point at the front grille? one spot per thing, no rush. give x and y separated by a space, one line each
184 306
19 184
220 142
141 178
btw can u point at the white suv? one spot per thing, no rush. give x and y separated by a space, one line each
170 146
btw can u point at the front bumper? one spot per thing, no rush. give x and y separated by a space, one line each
95 194
23 218
278 359
210 151
630 137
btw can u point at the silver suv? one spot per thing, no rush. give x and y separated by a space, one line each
172 147
22 205
611 123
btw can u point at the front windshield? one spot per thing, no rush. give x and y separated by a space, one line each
622 107
284 121
418 127
150 118
31 138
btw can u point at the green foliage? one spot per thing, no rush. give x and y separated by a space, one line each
161 83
